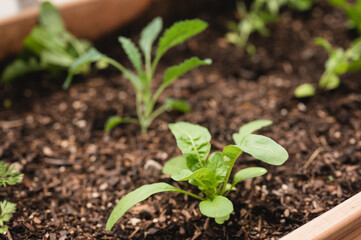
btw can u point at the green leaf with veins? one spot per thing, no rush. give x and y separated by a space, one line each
175 165
193 141
132 52
220 207
178 33
250 128
216 164
264 149
149 34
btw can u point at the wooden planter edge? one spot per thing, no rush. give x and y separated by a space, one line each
341 222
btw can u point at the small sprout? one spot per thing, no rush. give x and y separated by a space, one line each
352 10
339 62
8 176
145 67
209 172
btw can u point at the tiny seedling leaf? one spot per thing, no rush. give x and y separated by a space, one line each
135 197
193 141
20 67
178 105
250 128
132 53
231 153
329 81
264 149
149 34
204 178
9 175
175 165
175 72
305 90
50 18
178 33
219 207
216 164
250 172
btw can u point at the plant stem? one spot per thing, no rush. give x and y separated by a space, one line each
191 194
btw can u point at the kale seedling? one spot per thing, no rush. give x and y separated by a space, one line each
210 173
142 81
339 62
8 176
260 14
49 47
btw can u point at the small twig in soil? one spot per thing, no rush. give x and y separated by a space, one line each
312 157
11 124
9 235
134 232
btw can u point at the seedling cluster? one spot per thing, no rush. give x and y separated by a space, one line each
209 172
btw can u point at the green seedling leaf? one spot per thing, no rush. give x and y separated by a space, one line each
221 220
329 81
149 34
50 18
264 149
20 67
216 164
115 120
250 128
231 153
175 165
250 172
203 178
135 197
305 90
178 105
325 44
132 53
337 62
193 141
178 33
6 208
220 207
9 175
175 72
92 55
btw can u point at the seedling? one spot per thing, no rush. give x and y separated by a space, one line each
142 81
339 62
210 173
49 47
352 10
8 176
256 19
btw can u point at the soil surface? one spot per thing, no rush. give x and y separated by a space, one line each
75 172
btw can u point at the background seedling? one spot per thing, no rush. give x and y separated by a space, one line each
352 10
339 62
49 47
210 173
145 69
8 176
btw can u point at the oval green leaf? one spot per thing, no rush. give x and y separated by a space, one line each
304 90
250 172
219 207
175 165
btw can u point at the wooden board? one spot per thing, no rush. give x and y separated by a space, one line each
343 222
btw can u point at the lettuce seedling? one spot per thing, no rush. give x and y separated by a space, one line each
339 62
209 172
261 13
8 176
178 33
49 47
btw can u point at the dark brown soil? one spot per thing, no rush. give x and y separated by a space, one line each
75 172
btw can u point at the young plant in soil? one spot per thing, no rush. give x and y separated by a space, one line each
261 13
339 62
8 176
49 47
210 173
142 81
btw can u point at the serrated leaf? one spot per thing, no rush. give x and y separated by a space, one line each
49 17
175 165
6 210
132 52
264 149
19 68
305 90
219 207
249 128
216 164
178 33
9 175
135 197
174 72
194 142
92 55
178 105
250 172
149 34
